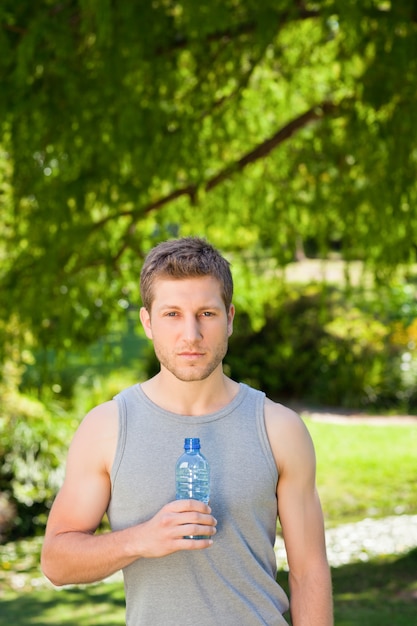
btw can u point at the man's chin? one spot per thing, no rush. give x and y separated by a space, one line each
191 375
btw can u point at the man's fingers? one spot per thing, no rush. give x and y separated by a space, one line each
189 543
197 529
181 506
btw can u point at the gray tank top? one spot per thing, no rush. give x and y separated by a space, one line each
233 582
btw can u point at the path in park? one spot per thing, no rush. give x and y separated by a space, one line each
364 540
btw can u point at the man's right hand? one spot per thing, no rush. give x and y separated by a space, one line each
164 533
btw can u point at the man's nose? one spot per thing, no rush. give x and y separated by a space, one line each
192 329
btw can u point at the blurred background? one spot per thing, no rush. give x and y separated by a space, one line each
284 132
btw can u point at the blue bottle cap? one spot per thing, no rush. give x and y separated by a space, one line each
191 443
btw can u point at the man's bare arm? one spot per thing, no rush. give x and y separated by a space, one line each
301 518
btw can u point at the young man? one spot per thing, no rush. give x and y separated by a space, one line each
262 462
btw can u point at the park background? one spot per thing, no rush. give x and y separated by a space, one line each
283 131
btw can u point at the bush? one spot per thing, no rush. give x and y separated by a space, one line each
31 454
35 445
331 347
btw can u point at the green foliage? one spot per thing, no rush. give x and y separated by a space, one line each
30 448
36 434
260 125
31 452
66 376
35 441
332 346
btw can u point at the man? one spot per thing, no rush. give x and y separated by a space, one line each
122 461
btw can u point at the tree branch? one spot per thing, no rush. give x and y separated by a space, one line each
260 152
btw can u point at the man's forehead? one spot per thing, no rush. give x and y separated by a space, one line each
204 288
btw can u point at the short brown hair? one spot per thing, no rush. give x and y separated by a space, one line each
188 257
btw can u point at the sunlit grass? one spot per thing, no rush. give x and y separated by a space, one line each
365 470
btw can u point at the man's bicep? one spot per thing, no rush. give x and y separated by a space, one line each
84 496
79 507
301 518
299 507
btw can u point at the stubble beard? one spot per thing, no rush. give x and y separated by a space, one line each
191 372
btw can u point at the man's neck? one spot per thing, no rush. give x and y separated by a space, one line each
190 397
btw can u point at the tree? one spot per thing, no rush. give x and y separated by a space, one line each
259 125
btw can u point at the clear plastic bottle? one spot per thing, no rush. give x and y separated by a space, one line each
192 475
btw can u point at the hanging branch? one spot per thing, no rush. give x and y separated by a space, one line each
261 151
267 146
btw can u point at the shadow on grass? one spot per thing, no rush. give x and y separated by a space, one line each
93 605
381 592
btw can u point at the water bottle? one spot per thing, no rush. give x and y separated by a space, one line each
192 475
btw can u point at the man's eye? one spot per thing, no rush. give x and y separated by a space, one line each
207 314
171 314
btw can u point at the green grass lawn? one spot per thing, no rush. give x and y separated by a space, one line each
381 592
363 470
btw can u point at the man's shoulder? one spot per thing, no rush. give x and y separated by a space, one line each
102 416
278 411
284 424
287 433
108 407
95 439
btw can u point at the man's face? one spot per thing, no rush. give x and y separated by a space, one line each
189 326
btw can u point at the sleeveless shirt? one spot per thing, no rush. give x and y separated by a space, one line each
232 582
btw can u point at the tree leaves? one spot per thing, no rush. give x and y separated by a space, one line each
258 125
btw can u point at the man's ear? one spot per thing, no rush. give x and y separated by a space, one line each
230 317
145 318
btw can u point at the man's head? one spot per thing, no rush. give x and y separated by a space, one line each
189 257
